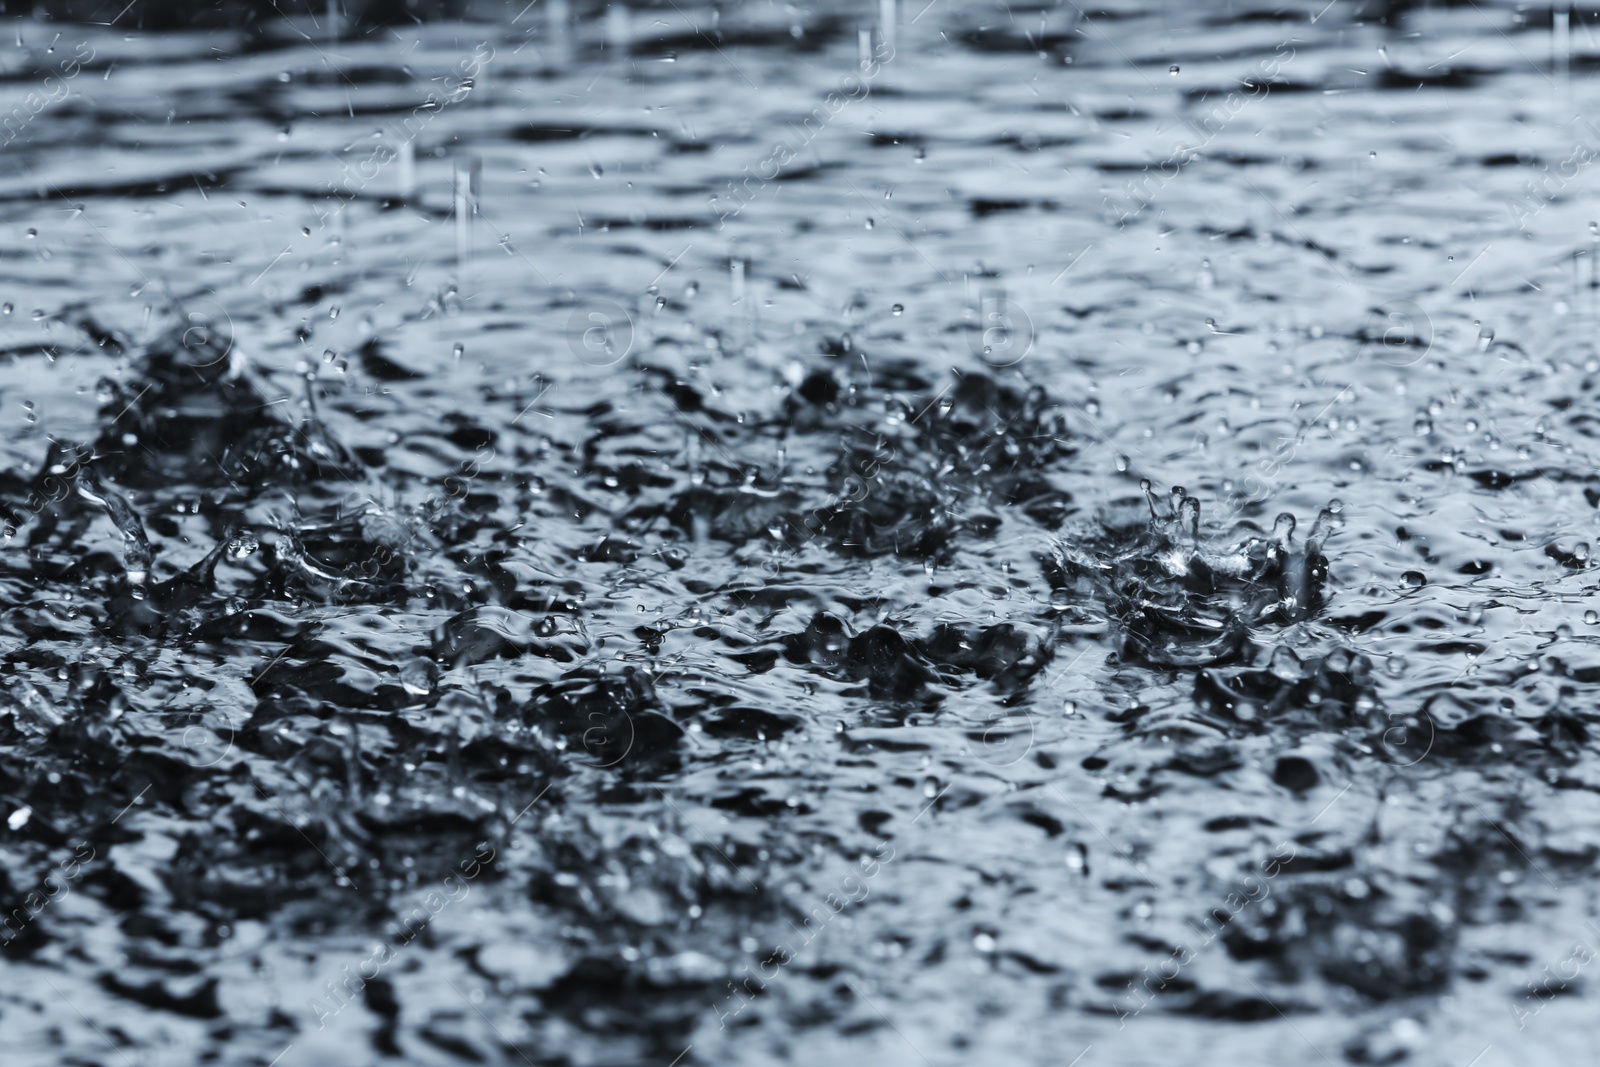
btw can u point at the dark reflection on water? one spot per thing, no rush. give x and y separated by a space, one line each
698 535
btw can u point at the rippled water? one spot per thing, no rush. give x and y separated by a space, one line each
1075 544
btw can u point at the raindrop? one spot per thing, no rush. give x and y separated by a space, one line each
1173 69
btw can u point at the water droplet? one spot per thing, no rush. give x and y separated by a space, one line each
418 676
898 309
1189 514
1173 69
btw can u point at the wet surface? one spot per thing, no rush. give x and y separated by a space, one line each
1070 539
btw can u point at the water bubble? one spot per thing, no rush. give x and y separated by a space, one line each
1592 617
898 309
1173 69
